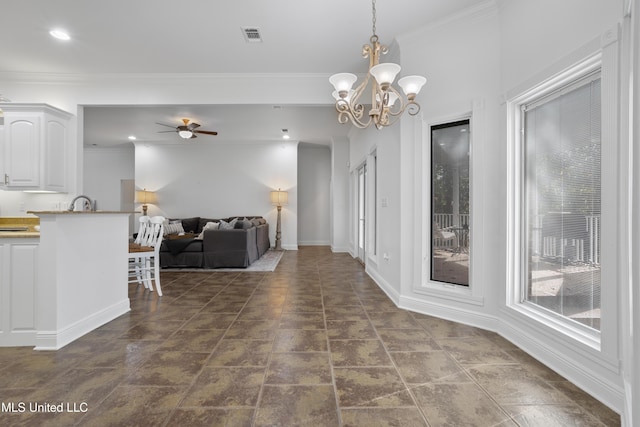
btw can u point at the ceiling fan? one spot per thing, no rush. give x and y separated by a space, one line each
187 130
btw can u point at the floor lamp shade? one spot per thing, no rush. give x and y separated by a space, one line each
279 198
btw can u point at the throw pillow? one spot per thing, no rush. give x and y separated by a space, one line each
224 225
174 227
208 226
190 225
203 222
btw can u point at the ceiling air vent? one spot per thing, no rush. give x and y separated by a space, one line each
252 34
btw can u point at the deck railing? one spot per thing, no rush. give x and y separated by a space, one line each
544 247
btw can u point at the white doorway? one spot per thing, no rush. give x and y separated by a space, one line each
127 197
361 211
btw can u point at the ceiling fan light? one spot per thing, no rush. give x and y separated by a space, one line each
60 34
411 85
343 82
186 134
385 73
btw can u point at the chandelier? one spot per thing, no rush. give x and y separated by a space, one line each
387 105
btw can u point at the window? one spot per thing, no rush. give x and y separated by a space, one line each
561 200
450 203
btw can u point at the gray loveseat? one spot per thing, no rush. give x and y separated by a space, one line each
239 246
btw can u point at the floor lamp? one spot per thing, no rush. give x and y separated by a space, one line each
278 199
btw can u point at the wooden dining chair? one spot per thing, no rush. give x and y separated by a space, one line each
144 254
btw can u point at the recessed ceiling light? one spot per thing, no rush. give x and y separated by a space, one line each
60 34
132 137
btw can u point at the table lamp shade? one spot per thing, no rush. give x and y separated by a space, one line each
144 197
279 198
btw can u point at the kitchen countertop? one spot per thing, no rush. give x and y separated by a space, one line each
20 222
32 222
78 212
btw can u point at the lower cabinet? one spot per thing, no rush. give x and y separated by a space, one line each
18 277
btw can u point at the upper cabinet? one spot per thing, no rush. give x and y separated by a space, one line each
35 143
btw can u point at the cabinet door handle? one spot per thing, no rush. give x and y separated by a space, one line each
6 179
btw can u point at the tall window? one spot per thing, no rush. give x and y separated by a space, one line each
562 153
450 203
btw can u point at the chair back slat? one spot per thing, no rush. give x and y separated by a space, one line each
142 229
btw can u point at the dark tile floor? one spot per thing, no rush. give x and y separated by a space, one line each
315 343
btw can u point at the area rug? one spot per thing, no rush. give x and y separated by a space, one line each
267 262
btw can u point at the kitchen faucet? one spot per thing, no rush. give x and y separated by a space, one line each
73 202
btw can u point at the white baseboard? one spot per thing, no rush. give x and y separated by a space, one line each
290 247
391 292
454 314
18 339
55 340
340 249
314 243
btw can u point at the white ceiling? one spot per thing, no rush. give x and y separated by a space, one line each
203 36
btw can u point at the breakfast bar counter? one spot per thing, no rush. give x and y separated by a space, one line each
81 279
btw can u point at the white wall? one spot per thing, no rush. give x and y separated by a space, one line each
535 35
104 169
340 215
471 62
218 180
386 142
314 179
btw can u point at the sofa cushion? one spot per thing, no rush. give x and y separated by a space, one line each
243 224
224 225
190 225
208 226
181 245
255 222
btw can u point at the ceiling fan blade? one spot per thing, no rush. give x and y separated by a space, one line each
166 131
162 124
206 132
193 136
192 126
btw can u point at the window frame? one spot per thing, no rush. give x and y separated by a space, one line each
517 221
434 127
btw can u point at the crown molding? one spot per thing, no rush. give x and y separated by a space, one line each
70 78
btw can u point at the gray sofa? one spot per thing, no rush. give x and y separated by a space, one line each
238 247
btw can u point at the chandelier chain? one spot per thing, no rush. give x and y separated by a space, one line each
373 19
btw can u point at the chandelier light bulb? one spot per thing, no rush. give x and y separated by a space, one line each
391 99
385 73
343 82
411 85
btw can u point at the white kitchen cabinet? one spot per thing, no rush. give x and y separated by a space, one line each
18 280
35 143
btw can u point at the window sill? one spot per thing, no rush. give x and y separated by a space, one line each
449 292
